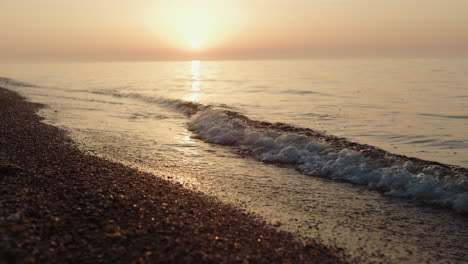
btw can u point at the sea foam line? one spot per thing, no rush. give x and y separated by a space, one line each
316 154
313 153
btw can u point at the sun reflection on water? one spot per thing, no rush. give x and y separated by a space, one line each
195 69
186 145
184 140
196 82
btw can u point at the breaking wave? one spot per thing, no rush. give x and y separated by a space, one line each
317 154
186 107
313 153
8 81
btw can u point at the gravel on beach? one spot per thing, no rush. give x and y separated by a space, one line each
58 205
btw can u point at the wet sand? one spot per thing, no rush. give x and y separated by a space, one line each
58 205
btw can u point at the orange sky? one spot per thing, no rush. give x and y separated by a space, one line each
228 29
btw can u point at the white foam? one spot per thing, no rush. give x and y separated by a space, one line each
313 156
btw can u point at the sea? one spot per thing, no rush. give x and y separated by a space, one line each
366 155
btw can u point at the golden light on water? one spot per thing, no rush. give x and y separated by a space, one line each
195 69
196 82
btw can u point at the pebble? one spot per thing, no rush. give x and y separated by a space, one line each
94 211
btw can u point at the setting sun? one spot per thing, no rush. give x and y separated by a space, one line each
200 24
195 44
271 131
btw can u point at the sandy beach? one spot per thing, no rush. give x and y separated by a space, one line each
58 205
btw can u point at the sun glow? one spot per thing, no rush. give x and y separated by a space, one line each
195 25
195 44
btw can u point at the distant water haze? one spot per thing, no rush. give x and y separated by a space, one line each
412 107
207 29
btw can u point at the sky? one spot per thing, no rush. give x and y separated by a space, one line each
230 29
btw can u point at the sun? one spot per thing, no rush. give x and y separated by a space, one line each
195 24
195 44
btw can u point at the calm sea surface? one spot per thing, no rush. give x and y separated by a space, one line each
212 125
413 107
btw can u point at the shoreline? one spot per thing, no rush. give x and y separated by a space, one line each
59 205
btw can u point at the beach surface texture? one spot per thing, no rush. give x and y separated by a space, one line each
58 205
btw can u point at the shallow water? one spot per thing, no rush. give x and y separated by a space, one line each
137 114
412 107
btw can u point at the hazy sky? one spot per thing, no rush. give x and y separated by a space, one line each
229 29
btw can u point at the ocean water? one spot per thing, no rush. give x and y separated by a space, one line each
367 155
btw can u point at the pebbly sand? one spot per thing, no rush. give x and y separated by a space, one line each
58 205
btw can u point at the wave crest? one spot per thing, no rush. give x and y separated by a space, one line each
313 153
